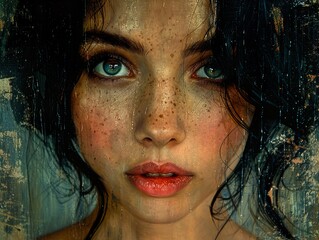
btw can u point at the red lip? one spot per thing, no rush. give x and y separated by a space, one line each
159 180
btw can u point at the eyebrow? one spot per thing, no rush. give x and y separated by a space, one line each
115 40
198 47
134 46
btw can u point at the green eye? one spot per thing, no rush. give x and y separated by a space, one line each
210 70
112 68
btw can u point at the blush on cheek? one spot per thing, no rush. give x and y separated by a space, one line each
92 126
221 138
213 128
95 132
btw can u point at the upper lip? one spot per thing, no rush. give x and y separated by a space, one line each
151 167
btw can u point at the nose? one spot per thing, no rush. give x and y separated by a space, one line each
160 118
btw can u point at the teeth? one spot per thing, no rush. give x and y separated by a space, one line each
159 174
166 174
152 174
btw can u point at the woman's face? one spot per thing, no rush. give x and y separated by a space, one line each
149 111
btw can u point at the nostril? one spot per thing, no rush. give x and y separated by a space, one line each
147 139
159 141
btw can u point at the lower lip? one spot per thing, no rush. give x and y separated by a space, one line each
159 186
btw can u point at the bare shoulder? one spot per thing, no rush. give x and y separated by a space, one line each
76 231
233 231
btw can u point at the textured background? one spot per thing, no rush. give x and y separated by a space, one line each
33 189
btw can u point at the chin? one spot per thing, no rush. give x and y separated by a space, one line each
160 210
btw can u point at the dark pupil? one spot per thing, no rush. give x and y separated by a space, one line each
112 68
212 72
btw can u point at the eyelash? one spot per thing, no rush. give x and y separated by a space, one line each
213 64
95 67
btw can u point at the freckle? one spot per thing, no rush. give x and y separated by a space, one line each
173 112
163 80
208 110
166 123
150 115
165 102
174 104
161 116
172 55
156 119
94 158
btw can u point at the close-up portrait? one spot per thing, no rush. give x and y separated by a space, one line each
159 119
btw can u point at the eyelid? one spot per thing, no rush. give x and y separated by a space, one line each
201 63
92 61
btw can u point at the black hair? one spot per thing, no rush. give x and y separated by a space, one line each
46 71
295 70
268 66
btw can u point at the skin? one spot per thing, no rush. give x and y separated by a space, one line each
162 110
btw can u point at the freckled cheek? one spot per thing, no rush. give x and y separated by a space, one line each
95 131
217 135
211 129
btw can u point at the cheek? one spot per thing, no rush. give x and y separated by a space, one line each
96 129
220 140
212 128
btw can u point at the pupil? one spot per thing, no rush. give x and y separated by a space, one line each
211 72
112 68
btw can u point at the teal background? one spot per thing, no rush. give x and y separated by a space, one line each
34 192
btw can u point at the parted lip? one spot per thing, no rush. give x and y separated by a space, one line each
152 167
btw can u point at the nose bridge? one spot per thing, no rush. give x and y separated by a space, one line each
161 118
164 103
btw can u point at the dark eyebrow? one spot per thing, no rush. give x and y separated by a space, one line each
126 43
198 47
113 39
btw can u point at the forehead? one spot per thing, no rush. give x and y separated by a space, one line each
164 17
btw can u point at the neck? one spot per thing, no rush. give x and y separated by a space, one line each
197 224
